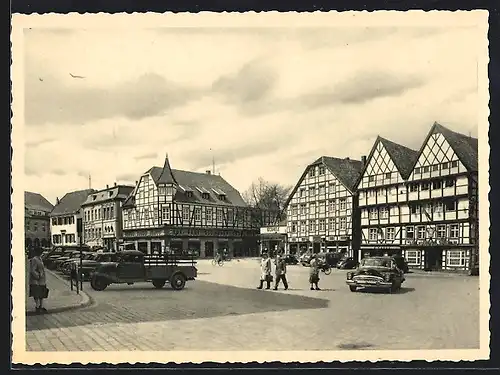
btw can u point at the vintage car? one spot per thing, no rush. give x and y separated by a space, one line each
132 266
89 265
347 263
71 263
376 273
291 259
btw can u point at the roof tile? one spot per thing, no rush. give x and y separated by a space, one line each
36 201
71 202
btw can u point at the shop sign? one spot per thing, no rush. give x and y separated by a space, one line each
274 229
145 233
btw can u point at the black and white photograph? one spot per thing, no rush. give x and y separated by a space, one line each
250 187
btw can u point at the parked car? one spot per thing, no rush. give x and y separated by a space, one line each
71 263
133 266
291 259
51 260
66 256
347 263
330 258
305 258
89 265
377 273
401 263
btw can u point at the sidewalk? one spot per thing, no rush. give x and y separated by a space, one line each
61 297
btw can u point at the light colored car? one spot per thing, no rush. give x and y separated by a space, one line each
376 273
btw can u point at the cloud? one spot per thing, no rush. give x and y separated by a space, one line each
151 155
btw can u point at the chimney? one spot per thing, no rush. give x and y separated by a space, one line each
363 160
107 186
347 158
115 183
136 183
208 172
57 200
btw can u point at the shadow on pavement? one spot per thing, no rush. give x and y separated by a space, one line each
200 300
403 290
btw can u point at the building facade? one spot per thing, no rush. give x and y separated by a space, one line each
102 217
429 211
64 218
273 238
36 220
322 208
383 200
179 210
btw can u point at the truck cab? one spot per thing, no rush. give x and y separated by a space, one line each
133 266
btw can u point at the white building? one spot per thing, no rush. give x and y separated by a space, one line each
321 209
64 218
422 204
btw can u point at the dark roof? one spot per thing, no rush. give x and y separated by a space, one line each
465 147
71 202
190 181
402 156
166 176
346 170
36 201
119 192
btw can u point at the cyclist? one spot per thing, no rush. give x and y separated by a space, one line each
218 257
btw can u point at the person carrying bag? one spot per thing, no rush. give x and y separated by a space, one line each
265 272
38 283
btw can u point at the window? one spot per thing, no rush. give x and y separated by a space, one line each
455 258
312 191
312 225
438 207
312 172
43 227
146 213
185 213
343 223
373 213
450 182
444 165
441 231
205 195
322 223
454 231
331 224
435 167
321 170
421 232
415 209
384 212
381 191
343 204
321 207
169 190
425 169
302 226
371 178
303 209
331 187
413 188
302 192
371 193
312 208
220 215
197 213
413 257
162 190
112 213
321 190
454 164
450 205
294 227
417 170
373 234
388 175
425 186
410 232
331 205
389 233
436 185
208 213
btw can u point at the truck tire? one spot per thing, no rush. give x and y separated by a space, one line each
158 283
98 283
178 281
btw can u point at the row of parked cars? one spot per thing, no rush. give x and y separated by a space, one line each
66 260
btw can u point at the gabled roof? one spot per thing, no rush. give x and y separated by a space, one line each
36 201
190 181
71 202
119 192
345 170
465 147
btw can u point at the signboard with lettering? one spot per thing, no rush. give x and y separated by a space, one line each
273 230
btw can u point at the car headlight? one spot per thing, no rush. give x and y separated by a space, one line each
349 275
387 277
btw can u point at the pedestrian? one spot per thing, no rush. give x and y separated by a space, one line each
314 272
265 271
38 283
280 272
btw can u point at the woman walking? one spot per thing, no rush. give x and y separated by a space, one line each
38 283
280 272
314 272
265 272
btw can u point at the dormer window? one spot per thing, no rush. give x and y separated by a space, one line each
205 195
189 193
222 197
110 193
94 197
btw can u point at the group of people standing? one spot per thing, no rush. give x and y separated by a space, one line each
280 272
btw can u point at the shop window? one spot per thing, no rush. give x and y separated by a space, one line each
413 257
455 258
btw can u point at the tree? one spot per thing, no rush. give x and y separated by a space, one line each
266 195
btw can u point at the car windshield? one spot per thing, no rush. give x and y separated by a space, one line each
375 262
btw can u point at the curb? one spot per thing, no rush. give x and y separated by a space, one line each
86 300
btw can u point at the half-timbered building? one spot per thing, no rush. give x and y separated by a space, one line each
176 210
321 209
383 197
441 218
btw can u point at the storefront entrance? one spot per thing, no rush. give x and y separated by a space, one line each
209 249
432 259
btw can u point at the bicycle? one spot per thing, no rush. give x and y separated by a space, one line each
326 269
218 262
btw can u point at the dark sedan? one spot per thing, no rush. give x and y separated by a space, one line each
347 263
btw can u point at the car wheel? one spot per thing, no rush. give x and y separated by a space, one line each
158 284
327 271
353 288
177 281
98 283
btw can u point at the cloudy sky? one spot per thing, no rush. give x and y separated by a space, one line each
262 102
